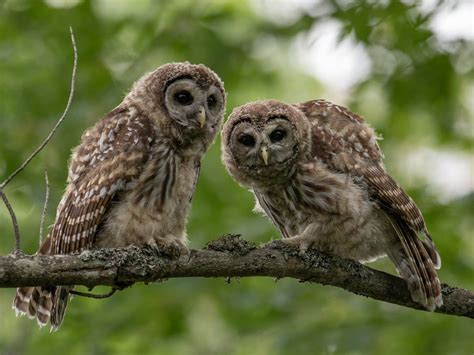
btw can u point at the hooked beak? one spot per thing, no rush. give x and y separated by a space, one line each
264 154
201 116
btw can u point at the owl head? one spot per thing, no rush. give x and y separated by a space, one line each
189 97
262 141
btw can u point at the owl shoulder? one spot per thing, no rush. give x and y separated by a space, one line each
336 130
123 130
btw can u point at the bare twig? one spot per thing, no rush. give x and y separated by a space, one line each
38 149
45 206
93 295
61 119
16 230
226 257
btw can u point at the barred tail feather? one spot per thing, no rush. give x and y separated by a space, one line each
416 262
21 302
44 306
35 302
431 249
43 303
60 302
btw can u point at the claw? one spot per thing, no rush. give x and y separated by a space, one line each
303 248
274 244
170 248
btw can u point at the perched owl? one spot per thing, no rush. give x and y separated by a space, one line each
316 170
132 178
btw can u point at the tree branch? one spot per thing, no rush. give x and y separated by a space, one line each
45 207
16 229
228 256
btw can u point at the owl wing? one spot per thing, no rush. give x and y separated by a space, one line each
106 162
343 141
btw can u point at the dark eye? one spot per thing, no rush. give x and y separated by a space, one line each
277 135
183 97
247 140
211 101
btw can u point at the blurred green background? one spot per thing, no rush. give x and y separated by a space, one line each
406 66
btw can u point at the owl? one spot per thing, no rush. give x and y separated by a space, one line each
132 178
317 172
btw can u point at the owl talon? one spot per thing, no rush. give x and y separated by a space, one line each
294 242
299 242
303 249
274 244
173 249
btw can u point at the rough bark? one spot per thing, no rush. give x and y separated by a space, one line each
228 256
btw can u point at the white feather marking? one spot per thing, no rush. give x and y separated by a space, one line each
40 323
18 313
23 298
43 310
103 191
358 147
85 158
102 144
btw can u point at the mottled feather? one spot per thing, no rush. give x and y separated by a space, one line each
322 182
132 177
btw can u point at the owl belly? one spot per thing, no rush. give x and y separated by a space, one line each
363 237
142 219
352 227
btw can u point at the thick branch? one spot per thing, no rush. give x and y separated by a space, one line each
228 256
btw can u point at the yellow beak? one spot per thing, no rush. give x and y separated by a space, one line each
202 116
264 154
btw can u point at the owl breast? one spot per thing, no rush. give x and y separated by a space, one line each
343 219
155 206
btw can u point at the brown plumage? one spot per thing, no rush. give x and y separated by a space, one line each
317 172
132 178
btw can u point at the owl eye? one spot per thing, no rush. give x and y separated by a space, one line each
211 101
184 97
277 135
247 140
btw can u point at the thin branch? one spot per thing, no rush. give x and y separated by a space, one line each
227 257
38 149
45 207
16 230
93 295
61 119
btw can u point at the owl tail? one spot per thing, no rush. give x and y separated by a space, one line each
42 303
416 261
35 302
61 300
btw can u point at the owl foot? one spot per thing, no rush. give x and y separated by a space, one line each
173 248
299 242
